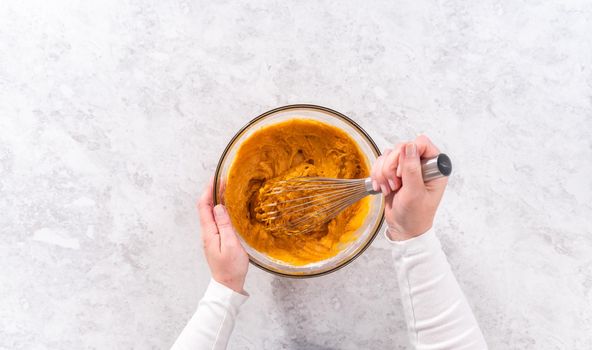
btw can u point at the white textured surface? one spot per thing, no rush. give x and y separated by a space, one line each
113 115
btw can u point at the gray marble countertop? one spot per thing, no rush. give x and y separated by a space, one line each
113 115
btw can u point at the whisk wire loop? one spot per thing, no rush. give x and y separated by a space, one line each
309 202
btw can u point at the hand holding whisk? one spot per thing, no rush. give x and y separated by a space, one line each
303 204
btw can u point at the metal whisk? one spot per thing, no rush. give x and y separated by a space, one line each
302 204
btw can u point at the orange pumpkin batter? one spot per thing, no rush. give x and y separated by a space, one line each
297 147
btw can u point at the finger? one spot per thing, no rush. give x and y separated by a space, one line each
389 168
425 147
400 166
379 178
374 172
209 230
386 154
412 177
228 238
221 187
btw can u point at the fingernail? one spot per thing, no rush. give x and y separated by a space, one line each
392 184
375 185
383 189
219 210
410 150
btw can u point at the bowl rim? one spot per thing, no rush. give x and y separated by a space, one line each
345 118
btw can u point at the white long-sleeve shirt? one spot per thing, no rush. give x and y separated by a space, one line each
437 313
211 325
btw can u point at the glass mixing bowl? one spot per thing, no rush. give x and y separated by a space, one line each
367 231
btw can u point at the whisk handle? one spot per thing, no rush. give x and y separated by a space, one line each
433 168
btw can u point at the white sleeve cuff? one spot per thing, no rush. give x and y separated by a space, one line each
211 325
424 242
220 293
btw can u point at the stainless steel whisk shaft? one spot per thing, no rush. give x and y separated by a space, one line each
313 201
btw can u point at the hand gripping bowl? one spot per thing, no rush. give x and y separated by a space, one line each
365 233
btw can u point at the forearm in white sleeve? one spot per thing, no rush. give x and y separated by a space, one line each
211 325
437 313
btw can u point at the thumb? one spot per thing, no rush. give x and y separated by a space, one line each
411 172
228 237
